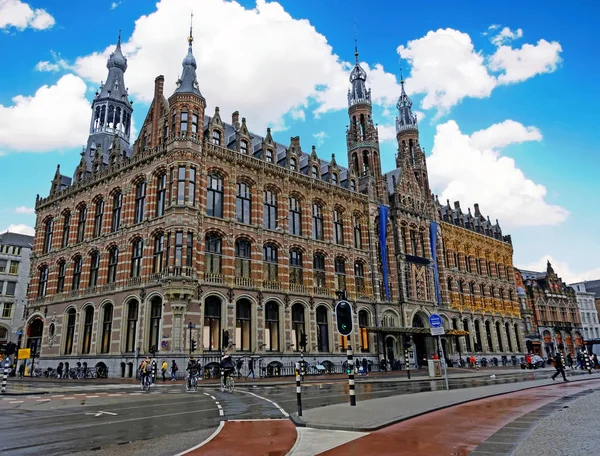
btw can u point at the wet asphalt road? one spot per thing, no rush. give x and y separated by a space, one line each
54 425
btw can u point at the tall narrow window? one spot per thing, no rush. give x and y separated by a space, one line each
270 271
216 137
48 234
66 229
115 223
189 254
192 187
272 326
88 323
181 185
76 273
269 156
132 319
155 318
140 201
353 185
214 204
322 329
335 179
319 270
178 248
317 225
404 240
194 123
212 324
314 172
113 263
161 194
413 242
243 320
106 328
98 218
184 123
357 233
297 325
213 255
137 250
270 210
296 276
242 203
70 332
159 250
81 224
359 277
340 274
171 194
338 227
295 217
242 259
94 267
422 244
244 147
62 272
43 285
363 323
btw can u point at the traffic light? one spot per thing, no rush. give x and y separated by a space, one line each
193 345
343 315
348 368
225 339
303 343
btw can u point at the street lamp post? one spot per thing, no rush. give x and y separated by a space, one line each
190 327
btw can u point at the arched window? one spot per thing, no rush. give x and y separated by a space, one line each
295 217
389 320
115 223
296 277
70 332
449 284
94 267
98 218
212 324
270 210
357 233
243 325
508 338
499 336
88 323
155 319
216 136
477 338
272 326
365 169
81 223
137 252
363 323
293 164
132 319
359 277
243 257
76 273
161 194
194 123
319 271
158 255
214 203
48 234
355 163
270 264
43 285
184 123
113 263
322 329
66 228
269 156
106 328
213 255
338 227
314 172
488 333
340 274
297 325
243 206
140 202
517 339
317 219
62 273
467 337
244 147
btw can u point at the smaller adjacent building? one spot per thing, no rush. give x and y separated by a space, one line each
15 251
587 293
550 312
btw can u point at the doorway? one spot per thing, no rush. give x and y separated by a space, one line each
419 341
389 349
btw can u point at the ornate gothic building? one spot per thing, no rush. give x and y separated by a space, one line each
202 226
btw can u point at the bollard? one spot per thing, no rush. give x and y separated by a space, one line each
298 389
5 374
587 362
407 361
351 376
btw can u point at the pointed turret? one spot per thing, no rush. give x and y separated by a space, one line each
406 120
188 83
358 92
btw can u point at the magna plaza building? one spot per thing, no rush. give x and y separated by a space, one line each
202 226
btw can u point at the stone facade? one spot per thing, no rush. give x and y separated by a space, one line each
203 226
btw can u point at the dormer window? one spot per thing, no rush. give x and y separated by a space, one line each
293 164
353 185
335 180
216 137
269 156
315 172
244 147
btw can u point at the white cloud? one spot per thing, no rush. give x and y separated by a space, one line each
518 65
507 35
298 114
45 65
115 5
24 210
472 170
15 13
386 133
20 229
494 27
320 137
563 270
38 113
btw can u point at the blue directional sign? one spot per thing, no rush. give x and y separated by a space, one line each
435 320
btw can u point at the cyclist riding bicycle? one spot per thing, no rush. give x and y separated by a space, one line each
145 370
227 366
192 368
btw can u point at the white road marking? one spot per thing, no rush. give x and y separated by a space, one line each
34 397
212 436
100 413
217 402
15 402
213 398
67 398
114 395
58 395
221 413
43 400
91 396
206 394
283 412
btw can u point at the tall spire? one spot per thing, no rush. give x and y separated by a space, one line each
358 93
188 83
406 120
355 44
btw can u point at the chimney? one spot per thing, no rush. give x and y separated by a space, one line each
235 117
159 83
457 205
477 213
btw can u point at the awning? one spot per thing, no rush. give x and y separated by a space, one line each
424 331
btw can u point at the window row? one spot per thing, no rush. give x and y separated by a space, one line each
470 288
480 266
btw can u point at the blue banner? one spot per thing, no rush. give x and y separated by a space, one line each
383 221
433 229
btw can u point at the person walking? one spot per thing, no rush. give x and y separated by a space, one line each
163 369
251 369
365 366
560 369
174 369
238 367
569 361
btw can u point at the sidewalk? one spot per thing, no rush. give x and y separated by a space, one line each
375 414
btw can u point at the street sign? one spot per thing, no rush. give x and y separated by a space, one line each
437 331
435 320
24 353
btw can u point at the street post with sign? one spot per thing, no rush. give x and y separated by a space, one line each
437 329
345 326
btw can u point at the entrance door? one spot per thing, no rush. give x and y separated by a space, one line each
420 350
389 344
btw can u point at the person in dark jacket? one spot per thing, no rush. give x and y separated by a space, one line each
560 369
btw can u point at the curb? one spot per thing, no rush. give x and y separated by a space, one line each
30 393
299 422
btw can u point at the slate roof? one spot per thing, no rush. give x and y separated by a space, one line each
16 239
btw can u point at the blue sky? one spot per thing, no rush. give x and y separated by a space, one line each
505 93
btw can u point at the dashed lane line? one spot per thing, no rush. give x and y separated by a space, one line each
16 402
